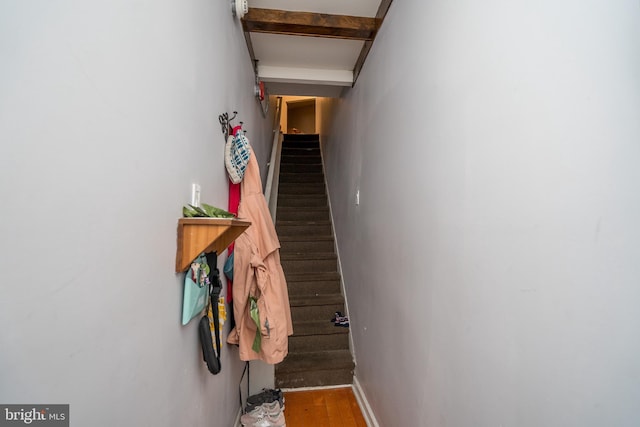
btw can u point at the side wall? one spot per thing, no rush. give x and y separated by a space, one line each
492 265
108 113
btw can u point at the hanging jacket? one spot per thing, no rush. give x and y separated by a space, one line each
257 272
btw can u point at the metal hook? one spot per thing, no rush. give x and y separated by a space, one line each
225 122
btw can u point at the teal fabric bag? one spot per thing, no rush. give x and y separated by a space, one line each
196 289
228 267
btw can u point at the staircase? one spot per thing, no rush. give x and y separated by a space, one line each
318 351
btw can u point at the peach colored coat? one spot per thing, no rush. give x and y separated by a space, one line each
257 272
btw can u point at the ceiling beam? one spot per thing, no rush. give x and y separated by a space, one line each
382 12
252 54
310 24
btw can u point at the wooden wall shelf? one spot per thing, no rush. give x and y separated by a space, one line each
197 235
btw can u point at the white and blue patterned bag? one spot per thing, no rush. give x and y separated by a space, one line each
236 156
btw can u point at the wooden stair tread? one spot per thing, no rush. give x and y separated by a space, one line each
296 185
301 196
301 151
296 209
305 238
301 136
302 222
315 299
317 327
294 256
320 360
313 277
314 156
304 198
297 174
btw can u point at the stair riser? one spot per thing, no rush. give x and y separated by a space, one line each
295 168
307 247
301 188
313 146
315 312
301 137
310 266
301 144
319 328
300 151
300 160
301 178
303 230
303 214
314 378
285 201
313 288
318 342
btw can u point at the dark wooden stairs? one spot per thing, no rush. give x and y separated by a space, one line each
318 351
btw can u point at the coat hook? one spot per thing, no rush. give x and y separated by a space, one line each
225 122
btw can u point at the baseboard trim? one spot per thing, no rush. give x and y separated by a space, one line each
322 387
368 414
343 287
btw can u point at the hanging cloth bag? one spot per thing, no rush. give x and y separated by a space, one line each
196 288
236 156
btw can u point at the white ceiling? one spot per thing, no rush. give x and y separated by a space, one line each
305 52
304 65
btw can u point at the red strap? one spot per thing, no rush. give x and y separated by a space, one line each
234 202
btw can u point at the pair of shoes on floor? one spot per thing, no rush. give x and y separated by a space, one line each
340 320
266 396
265 415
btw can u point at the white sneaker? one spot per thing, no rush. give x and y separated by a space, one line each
260 417
272 408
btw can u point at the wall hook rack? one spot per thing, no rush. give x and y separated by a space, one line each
225 122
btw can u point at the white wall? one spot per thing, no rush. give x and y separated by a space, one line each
492 266
108 113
